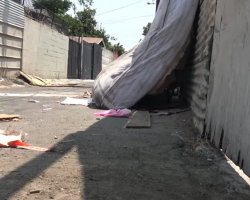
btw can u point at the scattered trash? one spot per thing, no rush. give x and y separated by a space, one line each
170 112
74 101
184 120
7 118
46 106
55 137
207 151
114 113
46 109
34 80
35 191
33 101
1 79
13 138
85 95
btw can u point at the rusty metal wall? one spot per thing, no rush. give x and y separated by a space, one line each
196 86
228 112
11 35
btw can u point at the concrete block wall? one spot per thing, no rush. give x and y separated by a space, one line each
107 57
198 69
45 51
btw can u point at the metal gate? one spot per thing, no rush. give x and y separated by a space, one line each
74 60
97 60
85 60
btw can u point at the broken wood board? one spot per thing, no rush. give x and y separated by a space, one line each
139 119
37 81
33 80
5 117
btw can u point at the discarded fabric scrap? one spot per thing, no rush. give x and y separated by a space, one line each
114 113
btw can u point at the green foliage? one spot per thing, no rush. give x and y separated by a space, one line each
86 3
101 33
86 17
146 29
74 25
83 23
56 6
118 47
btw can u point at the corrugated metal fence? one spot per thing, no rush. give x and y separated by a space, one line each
198 69
11 35
228 112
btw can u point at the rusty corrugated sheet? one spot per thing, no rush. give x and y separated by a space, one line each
11 13
198 70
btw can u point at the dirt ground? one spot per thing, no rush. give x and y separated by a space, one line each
98 159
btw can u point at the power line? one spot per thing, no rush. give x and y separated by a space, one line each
123 20
120 8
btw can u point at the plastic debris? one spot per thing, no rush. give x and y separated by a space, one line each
114 113
85 95
74 101
46 109
33 101
13 138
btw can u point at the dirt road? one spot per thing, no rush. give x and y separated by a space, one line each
98 159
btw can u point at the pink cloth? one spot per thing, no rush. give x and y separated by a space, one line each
115 113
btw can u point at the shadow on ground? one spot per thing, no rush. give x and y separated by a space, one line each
116 163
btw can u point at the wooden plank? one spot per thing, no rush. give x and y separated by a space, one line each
139 119
5 116
32 79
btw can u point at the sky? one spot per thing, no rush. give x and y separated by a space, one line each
125 24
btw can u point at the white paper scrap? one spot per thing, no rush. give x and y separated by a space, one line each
73 101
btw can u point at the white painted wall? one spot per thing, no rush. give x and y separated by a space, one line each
107 57
45 51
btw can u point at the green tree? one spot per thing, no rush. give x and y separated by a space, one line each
146 29
56 6
86 3
119 48
101 33
84 23
75 26
87 18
